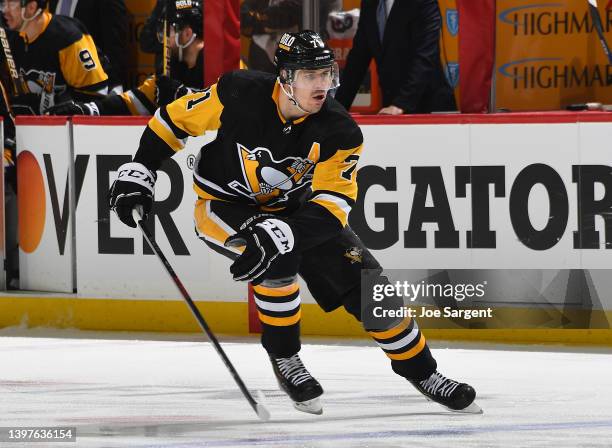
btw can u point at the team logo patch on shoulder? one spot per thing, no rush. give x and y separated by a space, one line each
268 181
452 21
355 254
452 74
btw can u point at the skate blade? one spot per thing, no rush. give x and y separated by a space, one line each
309 406
473 408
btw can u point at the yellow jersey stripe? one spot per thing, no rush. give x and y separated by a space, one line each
208 228
280 321
133 104
277 292
275 95
46 19
265 208
388 334
163 131
205 195
410 353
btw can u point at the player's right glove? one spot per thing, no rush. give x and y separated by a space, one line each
265 240
74 108
134 187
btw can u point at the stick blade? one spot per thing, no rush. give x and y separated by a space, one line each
262 411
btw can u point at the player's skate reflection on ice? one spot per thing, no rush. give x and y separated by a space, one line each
172 394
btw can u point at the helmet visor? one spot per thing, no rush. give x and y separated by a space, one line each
316 79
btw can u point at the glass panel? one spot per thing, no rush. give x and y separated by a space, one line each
262 23
341 19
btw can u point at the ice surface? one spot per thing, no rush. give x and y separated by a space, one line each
125 392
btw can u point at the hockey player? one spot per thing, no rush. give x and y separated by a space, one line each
187 69
108 24
274 192
56 57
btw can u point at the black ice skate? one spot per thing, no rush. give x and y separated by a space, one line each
297 382
457 397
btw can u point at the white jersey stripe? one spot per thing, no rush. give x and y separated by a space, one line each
346 208
164 123
402 342
211 184
270 306
142 110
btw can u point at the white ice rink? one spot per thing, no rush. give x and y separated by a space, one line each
124 392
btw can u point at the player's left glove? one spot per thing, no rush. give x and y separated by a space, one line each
168 90
134 187
265 240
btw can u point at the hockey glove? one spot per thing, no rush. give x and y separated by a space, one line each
265 241
74 108
133 188
168 90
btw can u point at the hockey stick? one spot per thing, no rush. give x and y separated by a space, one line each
9 71
259 408
599 28
10 63
165 49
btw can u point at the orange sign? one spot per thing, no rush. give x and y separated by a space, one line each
449 43
548 55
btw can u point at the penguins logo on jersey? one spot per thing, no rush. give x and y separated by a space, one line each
269 181
355 254
41 82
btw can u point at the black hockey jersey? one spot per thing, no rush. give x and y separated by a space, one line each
303 169
62 60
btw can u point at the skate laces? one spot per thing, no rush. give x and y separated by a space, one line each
438 384
293 369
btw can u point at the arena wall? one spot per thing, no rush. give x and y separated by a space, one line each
523 200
